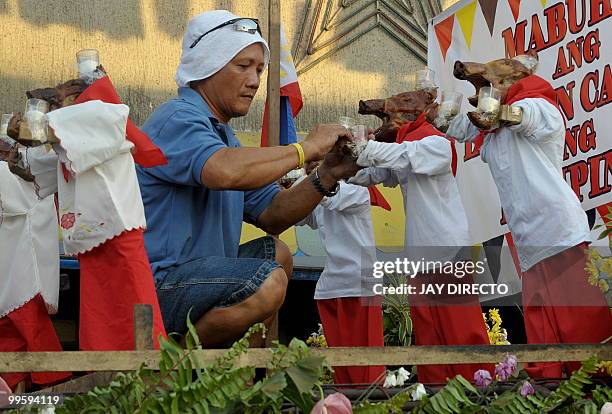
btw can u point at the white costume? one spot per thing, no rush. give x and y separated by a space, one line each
434 211
29 250
101 216
436 230
101 198
543 213
345 228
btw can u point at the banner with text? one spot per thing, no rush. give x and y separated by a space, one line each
573 39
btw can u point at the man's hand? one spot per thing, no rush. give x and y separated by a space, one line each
322 139
338 165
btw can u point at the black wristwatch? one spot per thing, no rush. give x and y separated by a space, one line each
316 182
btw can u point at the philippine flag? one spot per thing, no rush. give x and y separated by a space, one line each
290 100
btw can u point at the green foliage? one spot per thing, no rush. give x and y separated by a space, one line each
455 398
396 314
601 395
460 397
293 377
394 404
572 389
182 386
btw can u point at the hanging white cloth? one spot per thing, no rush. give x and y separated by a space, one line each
29 246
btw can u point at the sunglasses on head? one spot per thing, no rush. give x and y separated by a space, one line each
241 24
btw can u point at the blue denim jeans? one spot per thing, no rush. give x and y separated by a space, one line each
200 285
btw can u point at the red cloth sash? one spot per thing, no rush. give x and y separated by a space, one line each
419 129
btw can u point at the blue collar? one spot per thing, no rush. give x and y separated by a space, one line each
194 98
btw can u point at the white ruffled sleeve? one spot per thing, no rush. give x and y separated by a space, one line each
90 133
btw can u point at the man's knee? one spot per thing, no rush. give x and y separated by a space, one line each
271 295
284 257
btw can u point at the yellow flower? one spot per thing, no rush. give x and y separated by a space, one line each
606 366
606 266
603 285
497 335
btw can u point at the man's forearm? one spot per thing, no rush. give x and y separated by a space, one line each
248 168
293 205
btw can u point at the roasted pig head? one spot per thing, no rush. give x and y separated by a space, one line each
397 110
500 73
60 96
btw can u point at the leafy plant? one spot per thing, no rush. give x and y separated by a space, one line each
293 378
183 386
318 340
455 397
396 314
394 404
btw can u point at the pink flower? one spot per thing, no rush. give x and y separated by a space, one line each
527 389
67 220
482 378
507 367
5 391
333 404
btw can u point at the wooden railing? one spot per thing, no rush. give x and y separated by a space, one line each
104 363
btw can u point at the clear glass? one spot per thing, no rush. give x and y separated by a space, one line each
450 104
35 115
359 133
37 105
489 100
4 123
346 121
425 79
88 61
291 177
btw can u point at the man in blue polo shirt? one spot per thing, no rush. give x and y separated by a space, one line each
195 205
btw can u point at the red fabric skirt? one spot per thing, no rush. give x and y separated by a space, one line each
353 322
560 306
114 277
447 320
29 329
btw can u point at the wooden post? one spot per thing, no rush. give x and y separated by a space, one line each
274 12
143 326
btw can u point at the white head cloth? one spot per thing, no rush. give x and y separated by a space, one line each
216 49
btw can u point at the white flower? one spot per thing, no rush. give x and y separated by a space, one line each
418 392
390 380
402 376
607 408
50 409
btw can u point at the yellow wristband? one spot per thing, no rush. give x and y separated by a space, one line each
300 152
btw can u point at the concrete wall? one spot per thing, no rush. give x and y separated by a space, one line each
139 42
